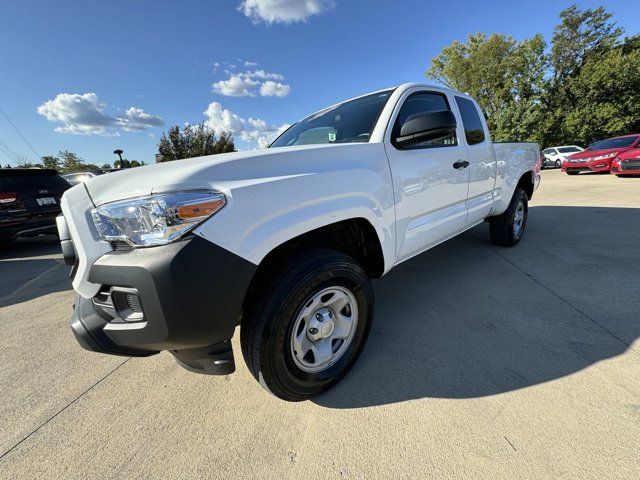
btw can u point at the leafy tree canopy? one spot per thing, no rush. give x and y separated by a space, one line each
584 87
193 141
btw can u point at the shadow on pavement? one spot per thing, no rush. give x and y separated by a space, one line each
468 319
30 268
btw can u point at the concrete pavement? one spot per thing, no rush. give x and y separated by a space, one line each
483 362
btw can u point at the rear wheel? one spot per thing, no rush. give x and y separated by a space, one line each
307 323
507 229
558 163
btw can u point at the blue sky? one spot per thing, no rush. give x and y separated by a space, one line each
92 76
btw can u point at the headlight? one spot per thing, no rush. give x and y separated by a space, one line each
155 219
602 157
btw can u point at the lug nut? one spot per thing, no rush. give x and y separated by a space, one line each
313 330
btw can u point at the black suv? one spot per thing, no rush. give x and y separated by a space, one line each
29 201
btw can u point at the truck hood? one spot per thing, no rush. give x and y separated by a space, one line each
227 171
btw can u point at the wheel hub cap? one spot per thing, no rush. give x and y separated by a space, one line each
321 324
324 329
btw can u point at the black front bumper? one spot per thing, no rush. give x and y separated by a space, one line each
190 295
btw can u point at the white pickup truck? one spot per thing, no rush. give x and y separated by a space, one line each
284 241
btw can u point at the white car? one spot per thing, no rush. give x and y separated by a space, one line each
284 241
554 156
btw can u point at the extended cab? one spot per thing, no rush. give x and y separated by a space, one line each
284 241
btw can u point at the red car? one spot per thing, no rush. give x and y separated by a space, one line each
599 155
627 163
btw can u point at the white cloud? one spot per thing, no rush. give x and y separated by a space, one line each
136 120
283 11
247 129
274 89
265 75
80 114
84 114
250 64
250 83
237 85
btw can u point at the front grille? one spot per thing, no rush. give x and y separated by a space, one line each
120 246
578 169
633 164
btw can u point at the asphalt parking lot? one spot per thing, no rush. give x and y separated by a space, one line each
483 362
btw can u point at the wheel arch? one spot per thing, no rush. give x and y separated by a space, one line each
526 182
355 237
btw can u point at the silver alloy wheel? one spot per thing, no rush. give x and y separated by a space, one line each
518 219
324 329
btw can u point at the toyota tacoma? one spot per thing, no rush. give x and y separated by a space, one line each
283 242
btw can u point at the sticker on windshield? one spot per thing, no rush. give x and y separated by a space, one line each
332 137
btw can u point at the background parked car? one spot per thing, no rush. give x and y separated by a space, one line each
627 163
29 201
554 156
81 177
599 155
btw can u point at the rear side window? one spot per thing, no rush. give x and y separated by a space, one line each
548 151
424 102
473 130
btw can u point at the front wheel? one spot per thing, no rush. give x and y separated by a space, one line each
507 229
558 164
307 323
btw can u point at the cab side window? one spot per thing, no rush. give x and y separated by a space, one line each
473 130
424 102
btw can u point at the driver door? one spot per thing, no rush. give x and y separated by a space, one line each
430 179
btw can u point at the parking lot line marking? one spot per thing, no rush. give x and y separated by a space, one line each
62 409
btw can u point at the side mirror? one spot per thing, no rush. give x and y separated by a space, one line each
427 126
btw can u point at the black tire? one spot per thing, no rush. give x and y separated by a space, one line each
501 228
267 325
572 173
558 164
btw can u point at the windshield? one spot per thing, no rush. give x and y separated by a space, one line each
620 142
568 149
348 122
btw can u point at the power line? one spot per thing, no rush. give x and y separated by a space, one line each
8 152
20 133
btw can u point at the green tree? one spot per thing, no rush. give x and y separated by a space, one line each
70 162
193 141
49 161
106 166
27 164
585 87
606 94
506 77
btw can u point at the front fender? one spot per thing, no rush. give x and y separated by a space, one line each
262 216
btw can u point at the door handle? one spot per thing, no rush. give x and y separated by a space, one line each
460 164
